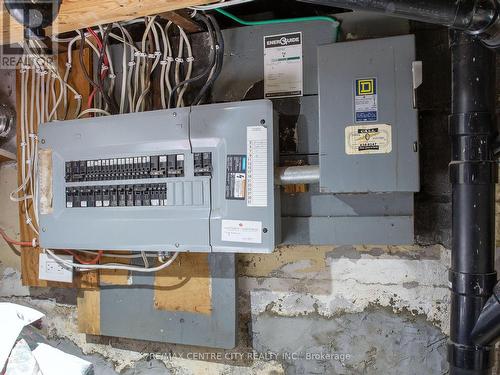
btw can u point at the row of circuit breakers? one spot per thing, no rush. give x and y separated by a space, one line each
133 168
201 179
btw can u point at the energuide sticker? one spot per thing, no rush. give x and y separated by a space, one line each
283 71
241 231
368 139
365 100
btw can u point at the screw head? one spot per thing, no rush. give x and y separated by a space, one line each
264 230
262 121
43 141
177 244
174 114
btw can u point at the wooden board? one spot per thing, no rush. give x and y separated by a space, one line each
78 14
114 277
183 19
189 276
89 311
6 156
29 256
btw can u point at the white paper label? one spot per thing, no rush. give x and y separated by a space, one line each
241 231
368 139
256 166
283 69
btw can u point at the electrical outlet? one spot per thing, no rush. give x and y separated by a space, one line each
51 270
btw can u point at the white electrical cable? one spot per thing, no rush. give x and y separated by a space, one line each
145 76
93 110
189 60
165 73
88 267
221 4
125 256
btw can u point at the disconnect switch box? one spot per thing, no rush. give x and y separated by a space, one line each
368 123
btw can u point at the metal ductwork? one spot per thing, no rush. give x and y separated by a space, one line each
476 17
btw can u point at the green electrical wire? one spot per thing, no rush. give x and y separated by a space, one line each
283 20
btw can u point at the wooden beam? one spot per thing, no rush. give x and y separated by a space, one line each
181 18
78 14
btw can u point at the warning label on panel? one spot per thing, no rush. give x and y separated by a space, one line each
365 100
236 177
368 139
241 231
283 65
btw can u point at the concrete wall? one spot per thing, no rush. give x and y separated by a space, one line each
304 310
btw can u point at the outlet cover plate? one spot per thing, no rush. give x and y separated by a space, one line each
49 269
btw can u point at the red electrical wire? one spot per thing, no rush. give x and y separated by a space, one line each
14 242
104 73
30 244
83 261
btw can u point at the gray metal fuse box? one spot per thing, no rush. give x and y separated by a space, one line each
368 124
190 179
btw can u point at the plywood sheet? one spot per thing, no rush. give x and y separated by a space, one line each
185 285
89 311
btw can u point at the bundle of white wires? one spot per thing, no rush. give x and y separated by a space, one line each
46 95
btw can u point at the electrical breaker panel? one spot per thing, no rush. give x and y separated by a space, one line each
195 179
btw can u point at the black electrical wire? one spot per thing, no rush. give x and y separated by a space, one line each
109 101
82 63
212 58
219 59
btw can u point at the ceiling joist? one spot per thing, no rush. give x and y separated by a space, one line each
78 14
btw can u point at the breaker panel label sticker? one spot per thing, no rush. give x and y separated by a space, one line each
256 166
365 100
241 231
368 139
283 65
236 177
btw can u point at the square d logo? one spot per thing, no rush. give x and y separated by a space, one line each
366 86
